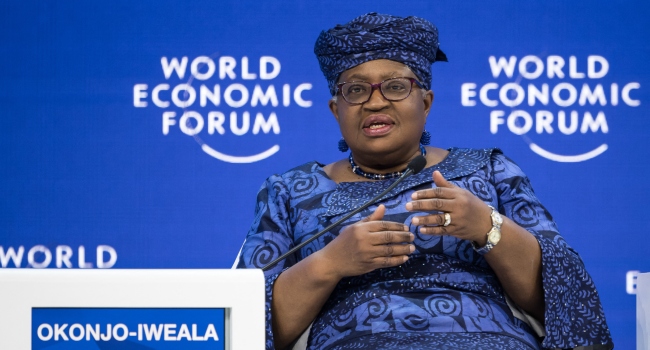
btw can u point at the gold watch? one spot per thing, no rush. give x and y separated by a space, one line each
493 236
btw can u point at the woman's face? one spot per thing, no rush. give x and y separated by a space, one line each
380 126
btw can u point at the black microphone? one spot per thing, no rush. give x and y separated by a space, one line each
415 166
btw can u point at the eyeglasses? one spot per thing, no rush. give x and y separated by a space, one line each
393 89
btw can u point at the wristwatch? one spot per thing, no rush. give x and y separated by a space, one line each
493 236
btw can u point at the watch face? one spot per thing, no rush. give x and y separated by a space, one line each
497 220
494 236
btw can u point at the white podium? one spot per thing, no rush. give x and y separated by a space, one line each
643 311
166 309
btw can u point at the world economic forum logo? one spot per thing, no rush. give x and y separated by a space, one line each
224 103
559 105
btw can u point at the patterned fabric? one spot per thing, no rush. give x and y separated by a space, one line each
445 291
411 40
441 341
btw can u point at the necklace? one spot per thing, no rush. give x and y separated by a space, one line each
372 176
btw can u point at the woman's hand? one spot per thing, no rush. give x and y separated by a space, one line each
368 245
470 216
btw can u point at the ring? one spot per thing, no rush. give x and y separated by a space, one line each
447 219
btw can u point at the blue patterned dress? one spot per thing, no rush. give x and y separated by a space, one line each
445 296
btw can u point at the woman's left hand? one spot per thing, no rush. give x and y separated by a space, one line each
470 216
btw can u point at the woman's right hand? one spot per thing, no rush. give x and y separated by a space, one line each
367 245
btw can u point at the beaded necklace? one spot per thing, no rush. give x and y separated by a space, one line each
372 176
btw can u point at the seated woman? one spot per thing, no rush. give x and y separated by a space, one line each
459 256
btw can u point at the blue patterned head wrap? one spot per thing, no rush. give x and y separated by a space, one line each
411 40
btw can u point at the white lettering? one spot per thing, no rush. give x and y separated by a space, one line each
106 336
507 66
496 119
16 257
554 66
79 328
41 328
200 61
614 94
543 122
195 336
598 95
245 123
101 249
588 123
63 255
514 127
168 120
186 125
573 68
625 94
211 333
573 94
92 332
215 122
82 258
266 125
264 73
591 67
152 331
523 67
139 92
535 94
125 332
190 95
170 331
297 95
483 94
466 93
174 66
561 116
503 94
183 332
228 95
227 66
264 97
244 70
205 95
31 260
630 281
286 95
155 95
59 331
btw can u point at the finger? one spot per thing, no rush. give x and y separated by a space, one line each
378 214
435 230
434 219
389 261
392 250
379 226
437 192
432 204
388 237
440 180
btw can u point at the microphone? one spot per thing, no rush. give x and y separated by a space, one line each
415 166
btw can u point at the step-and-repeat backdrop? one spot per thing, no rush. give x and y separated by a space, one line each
136 134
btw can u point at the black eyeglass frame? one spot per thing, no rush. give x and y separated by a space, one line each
377 86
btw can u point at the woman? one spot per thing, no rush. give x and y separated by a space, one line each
461 255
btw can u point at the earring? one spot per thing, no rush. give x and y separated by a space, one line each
343 146
425 138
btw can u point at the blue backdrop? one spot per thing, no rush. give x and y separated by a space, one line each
136 134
